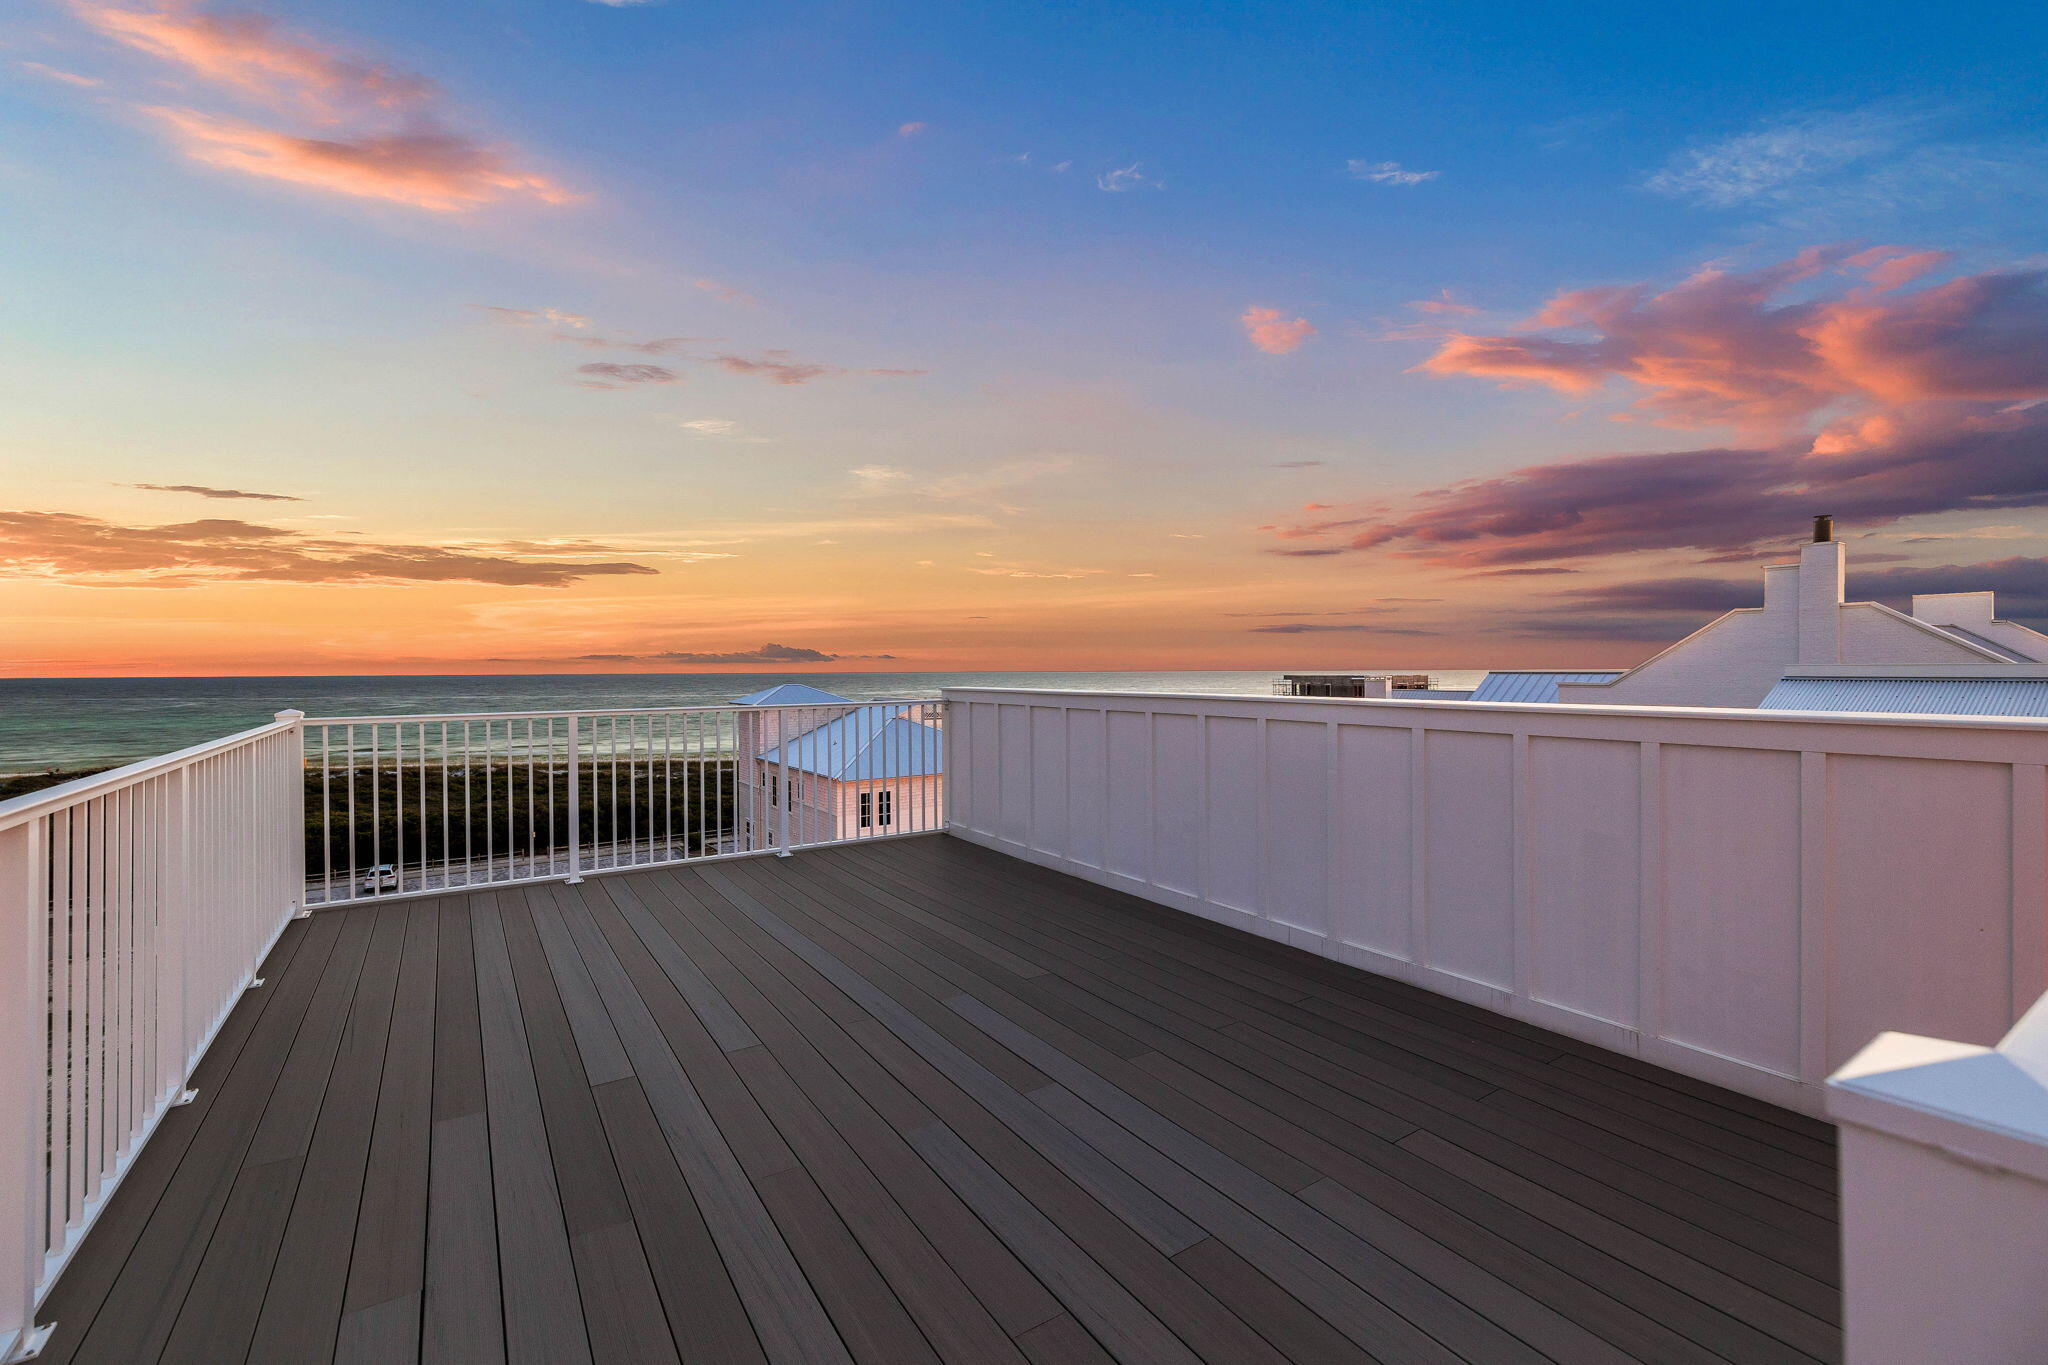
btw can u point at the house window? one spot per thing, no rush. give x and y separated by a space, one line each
774 790
885 807
867 810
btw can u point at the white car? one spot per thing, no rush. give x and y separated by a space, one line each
382 877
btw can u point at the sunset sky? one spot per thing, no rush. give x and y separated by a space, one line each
555 336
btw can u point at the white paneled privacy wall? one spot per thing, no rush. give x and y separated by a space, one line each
1745 897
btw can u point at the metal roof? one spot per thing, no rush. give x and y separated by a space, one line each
871 743
1520 685
790 694
2006 652
1912 696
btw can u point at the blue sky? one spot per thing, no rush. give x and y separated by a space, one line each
969 368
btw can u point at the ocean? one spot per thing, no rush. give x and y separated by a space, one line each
75 723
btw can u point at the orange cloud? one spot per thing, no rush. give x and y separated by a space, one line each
439 172
247 53
1273 332
382 131
88 551
1725 347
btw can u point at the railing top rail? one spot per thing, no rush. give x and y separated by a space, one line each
20 808
1735 714
613 711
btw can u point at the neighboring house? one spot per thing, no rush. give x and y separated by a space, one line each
816 767
1806 626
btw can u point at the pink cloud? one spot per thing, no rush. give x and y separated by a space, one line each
248 53
913 129
371 131
1273 332
1867 400
439 172
1731 348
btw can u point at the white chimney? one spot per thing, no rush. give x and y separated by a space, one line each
1823 571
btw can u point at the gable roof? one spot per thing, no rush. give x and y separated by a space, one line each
869 743
790 694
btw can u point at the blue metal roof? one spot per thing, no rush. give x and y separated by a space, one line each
870 743
790 694
1913 696
1520 685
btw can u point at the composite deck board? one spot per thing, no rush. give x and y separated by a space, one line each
918 1101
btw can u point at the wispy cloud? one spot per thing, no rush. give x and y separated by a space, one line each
725 293
720 429
534 317
1386 173
779 367
58 74
1768 160
366 129
203 491
765 654
1337 628
1274 332
1443 305
72 548
606 374
1894 168
912 129
1123 179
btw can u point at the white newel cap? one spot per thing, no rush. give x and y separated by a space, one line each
1982 1104
289 715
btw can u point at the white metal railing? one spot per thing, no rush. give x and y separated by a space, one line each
416 805
135 908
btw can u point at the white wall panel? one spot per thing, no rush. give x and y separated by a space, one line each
1919 914
1743 896
1295 867
1730 846
1129 745
1582 842
1177 825
1371 820
1051 802
1232 797
1469 869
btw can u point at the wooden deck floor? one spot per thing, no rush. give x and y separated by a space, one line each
916 1101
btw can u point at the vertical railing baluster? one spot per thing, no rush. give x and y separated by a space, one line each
575 799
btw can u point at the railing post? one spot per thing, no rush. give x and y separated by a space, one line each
782 796
23 1087
1944 1172
295 852
575 802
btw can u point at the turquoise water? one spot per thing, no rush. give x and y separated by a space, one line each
89 722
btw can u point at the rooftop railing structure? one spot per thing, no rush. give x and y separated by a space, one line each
1748 898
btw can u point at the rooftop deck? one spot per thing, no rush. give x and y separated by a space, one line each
917 1101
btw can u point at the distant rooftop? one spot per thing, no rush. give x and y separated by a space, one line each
1518 684
791 694
871 743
